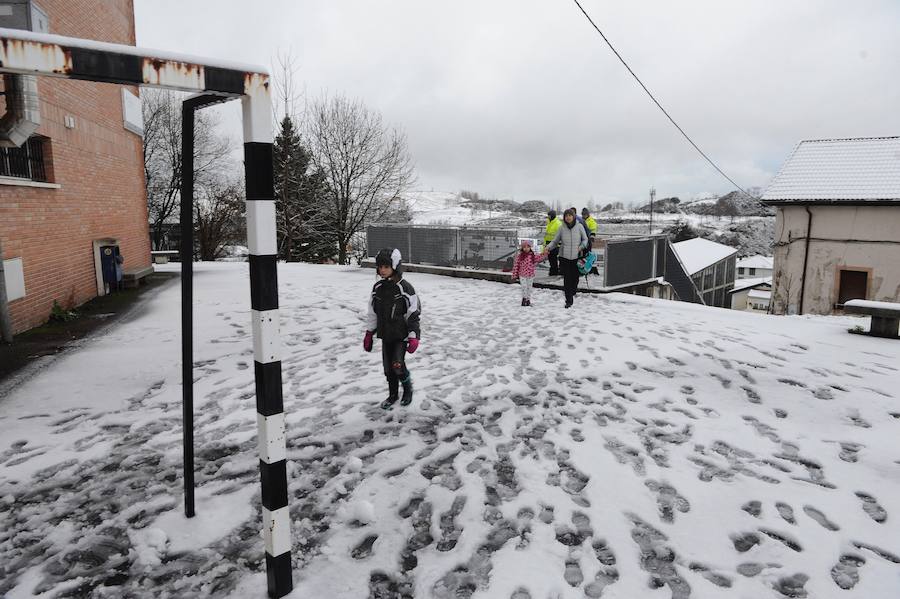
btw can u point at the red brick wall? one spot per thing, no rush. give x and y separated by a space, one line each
99 167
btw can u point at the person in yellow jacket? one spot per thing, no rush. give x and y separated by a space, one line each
553 224
590 222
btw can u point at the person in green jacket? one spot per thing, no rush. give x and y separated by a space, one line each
553 224
591 225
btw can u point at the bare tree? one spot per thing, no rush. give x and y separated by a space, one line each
284 86
366 165
162 155
218 216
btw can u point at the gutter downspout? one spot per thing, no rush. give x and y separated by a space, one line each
5 321
805 257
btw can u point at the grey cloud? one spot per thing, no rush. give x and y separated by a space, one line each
520 98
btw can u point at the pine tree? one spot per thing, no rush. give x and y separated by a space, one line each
303 232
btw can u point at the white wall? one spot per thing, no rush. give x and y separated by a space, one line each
843 237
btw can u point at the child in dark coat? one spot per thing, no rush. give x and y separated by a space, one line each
394 316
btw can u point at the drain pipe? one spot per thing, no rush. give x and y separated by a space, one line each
23 110
805 257
5 322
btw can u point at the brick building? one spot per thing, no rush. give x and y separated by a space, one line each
79 180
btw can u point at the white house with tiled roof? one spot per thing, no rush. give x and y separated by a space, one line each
837 229
751 294
753 267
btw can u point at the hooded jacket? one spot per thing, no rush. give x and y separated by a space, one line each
524 264
394 310
570 240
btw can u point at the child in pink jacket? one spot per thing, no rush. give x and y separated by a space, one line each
523 269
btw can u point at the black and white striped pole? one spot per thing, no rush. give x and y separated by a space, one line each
261 241
29 53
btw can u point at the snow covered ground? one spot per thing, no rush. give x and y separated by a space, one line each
625 448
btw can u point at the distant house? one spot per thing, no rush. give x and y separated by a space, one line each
837 224
752 295
754 267
711 265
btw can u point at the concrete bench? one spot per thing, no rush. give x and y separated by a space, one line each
163 256
885 316
132 277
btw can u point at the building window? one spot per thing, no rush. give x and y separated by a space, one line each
26 162
752 271
740 270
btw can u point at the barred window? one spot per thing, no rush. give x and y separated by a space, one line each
26 162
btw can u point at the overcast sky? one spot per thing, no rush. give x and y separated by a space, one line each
522 98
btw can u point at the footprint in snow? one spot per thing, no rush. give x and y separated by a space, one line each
449 528
793 586
845 573
872 508
364 549
754 508
668 500
720 580
786 512
821 518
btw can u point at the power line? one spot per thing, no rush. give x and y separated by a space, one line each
655 101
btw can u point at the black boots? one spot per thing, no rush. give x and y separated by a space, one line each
393 394
407 391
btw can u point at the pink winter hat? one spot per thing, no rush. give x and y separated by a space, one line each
526 242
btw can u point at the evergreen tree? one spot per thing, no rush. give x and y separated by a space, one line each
303 231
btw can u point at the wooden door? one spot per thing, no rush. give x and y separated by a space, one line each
854 285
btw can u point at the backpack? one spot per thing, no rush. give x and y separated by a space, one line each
586 263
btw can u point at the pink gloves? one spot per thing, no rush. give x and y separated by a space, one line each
367 341
412 345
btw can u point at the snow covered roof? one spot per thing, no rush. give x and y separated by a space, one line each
756 262
860 170
698 253
742 284
760 294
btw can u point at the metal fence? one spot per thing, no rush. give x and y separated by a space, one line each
470 247
633 260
